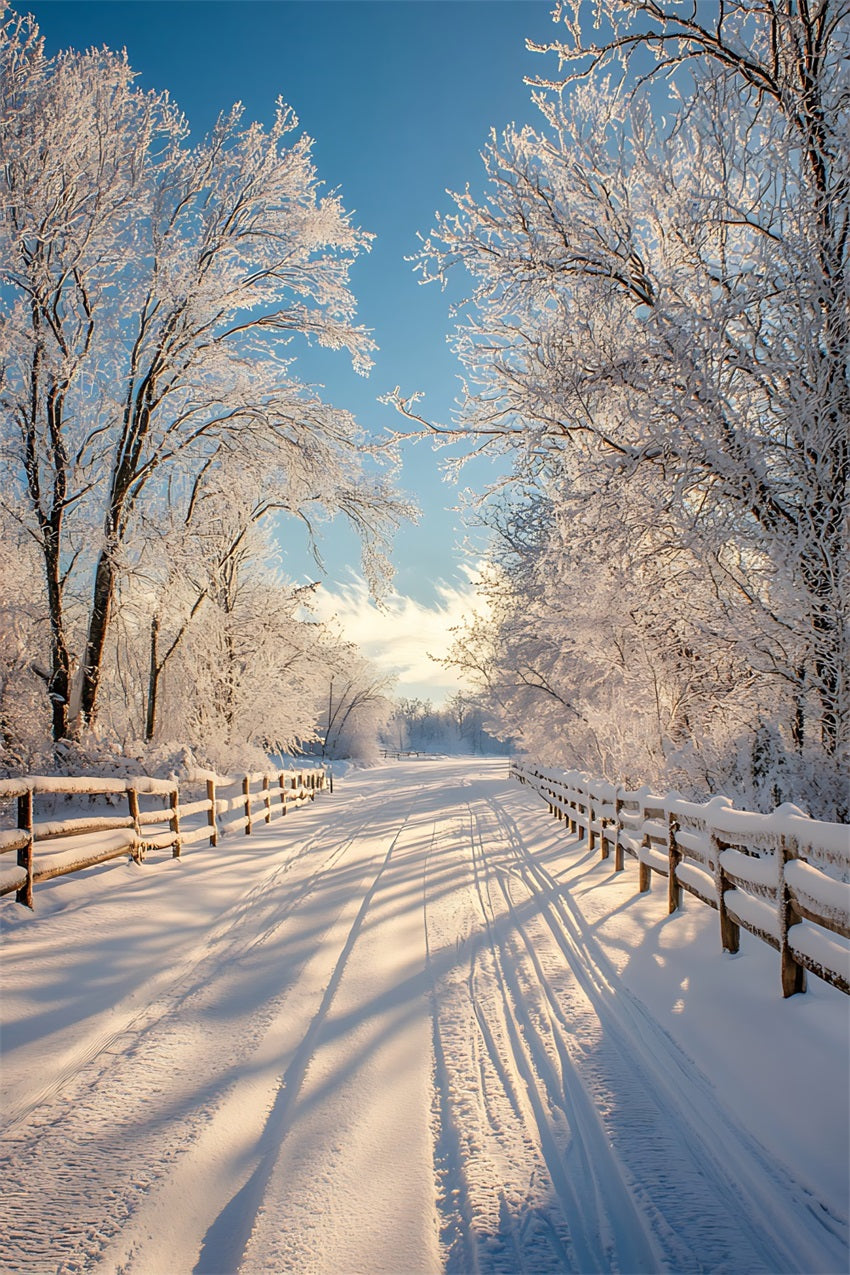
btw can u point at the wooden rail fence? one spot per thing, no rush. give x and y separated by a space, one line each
156 816
784 877
401 754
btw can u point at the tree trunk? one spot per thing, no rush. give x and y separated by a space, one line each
154 671
104 592
59 685
798 723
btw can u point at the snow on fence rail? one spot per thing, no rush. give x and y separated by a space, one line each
783 876
156 818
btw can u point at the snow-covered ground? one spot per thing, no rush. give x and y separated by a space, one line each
411 1027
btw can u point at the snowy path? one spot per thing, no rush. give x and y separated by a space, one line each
383 1036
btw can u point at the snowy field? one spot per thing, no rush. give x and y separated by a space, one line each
412 1027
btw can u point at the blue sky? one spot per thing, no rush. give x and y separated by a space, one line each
399 96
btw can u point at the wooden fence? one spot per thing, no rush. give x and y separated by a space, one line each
155 816
783 876
402 754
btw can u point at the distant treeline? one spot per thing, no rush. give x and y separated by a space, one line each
456 727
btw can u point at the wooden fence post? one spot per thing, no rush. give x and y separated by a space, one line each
793 973
24 894
644 870
674 858
281 779
619 861
211 812
591 831
730 931
246 792
267 799
604 846
133 804
174 821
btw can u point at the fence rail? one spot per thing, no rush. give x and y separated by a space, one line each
155 818
783 877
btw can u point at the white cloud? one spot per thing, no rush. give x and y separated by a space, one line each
401 635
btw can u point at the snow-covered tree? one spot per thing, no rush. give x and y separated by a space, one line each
151 288
657 323
358 704
599 640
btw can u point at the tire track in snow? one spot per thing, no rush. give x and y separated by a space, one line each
496 1192
353 1186
702 1232
453 1201
226 1239
605 1229
716 1198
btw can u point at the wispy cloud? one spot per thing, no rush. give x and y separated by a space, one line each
403 634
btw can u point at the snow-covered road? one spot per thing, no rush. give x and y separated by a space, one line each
412 1027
